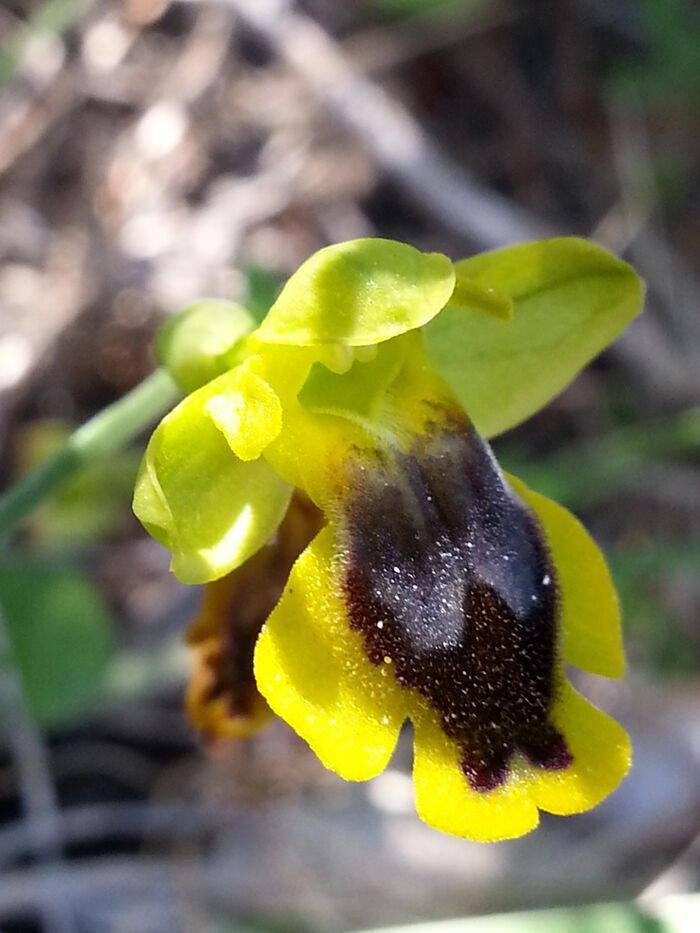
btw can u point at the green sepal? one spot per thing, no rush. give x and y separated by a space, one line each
212 509
358 293
357 393
571 300
195 345
470 295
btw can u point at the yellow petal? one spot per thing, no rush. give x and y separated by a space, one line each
246 411
197 498
601 753
311 668
445 800
590 610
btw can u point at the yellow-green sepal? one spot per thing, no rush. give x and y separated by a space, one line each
211 508
358 293
470 295
357 393
195 345
571 299
590 609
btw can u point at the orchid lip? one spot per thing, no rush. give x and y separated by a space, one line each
449 578
438 590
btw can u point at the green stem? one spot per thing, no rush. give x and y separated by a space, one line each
107 432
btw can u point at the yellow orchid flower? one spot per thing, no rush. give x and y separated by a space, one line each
438 589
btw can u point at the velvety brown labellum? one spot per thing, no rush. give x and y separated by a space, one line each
449 582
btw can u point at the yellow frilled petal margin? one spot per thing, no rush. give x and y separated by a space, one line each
445 800
590 608
311 668
601 752
599 746
601 758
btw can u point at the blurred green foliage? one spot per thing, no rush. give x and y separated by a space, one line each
647 570
645 577
60 631
584 474
48 19
402 8
676 914
59 627
595 918
670 72
89 506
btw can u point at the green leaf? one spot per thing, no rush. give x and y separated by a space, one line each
359 293
571 300
195 345
194 495
61 635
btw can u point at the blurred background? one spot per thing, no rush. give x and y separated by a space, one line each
157 151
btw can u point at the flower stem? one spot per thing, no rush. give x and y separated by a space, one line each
107 432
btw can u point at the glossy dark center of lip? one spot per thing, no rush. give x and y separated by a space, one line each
450 583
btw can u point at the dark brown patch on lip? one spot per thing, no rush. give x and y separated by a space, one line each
449 578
